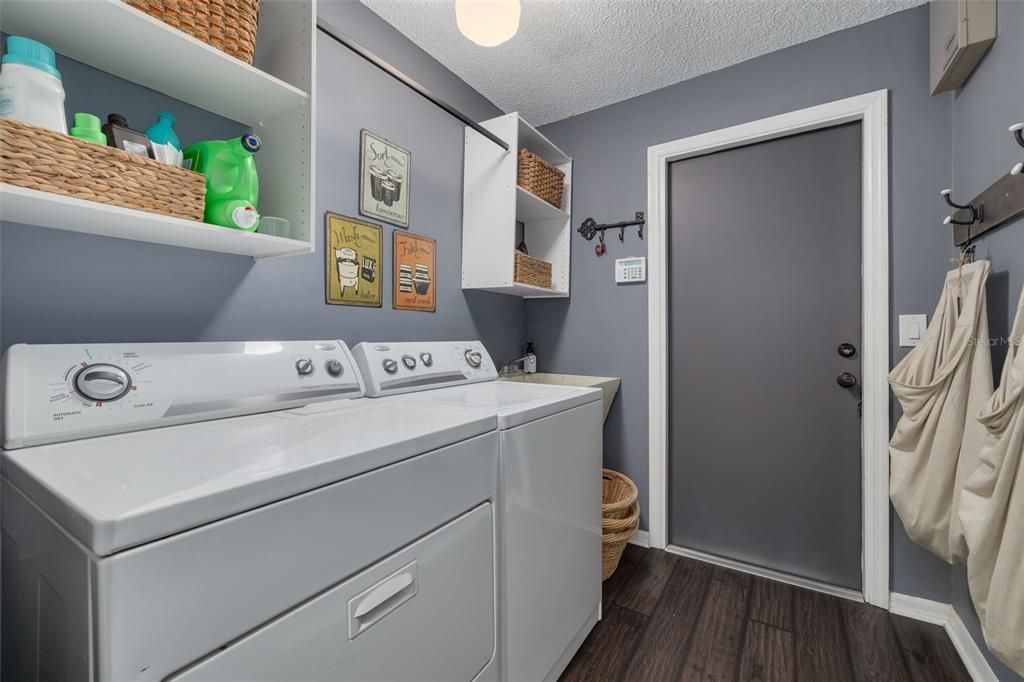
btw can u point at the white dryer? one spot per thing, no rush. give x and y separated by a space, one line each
342 540
549 519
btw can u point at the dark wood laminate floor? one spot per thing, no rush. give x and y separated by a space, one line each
671 618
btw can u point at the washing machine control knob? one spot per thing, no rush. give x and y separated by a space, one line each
304 366
389 365
102 383
409 361
474 358
427 359
334 368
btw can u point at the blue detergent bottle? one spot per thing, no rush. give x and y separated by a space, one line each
163 139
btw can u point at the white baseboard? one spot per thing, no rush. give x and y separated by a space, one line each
641 539
945 615
924 610
806 583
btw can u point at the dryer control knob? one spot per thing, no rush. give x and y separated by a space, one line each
427 359
390 366
102 383
409 361
334 368
474 358
304 366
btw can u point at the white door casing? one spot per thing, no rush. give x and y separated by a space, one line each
871 110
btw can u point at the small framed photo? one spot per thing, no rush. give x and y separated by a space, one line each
414 273
352 274
384 175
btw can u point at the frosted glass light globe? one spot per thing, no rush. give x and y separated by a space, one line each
488 22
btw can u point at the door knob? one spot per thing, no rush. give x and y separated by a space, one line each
846 380
847 350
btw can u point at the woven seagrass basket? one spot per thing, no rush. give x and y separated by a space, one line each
228 25
48 161
530 270
541 178
620 517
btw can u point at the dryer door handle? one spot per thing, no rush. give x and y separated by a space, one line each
373 604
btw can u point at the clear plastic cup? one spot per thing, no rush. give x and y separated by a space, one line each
275 227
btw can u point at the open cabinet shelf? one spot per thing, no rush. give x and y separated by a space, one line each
493 204
274 97
45 209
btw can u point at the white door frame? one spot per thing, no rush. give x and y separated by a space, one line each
871 110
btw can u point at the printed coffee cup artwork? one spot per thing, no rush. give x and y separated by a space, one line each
384 175
354 251
415 266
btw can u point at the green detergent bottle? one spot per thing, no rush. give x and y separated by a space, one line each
232 187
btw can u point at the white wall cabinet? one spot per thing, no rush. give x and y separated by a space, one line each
493 203
274 96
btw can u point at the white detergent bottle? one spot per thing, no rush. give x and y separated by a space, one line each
30 86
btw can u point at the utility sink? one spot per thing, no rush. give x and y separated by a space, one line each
609 385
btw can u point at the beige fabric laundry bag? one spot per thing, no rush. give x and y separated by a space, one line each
942 385
992 512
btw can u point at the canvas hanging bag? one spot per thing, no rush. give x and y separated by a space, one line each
942 385
992 512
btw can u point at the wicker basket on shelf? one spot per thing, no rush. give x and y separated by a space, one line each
533 271
620 517
539 177
48 161
228 25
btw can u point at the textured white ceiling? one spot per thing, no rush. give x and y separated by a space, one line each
572 56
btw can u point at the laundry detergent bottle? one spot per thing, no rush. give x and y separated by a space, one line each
165 142
232 186
31 90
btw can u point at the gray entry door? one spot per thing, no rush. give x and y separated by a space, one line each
764 286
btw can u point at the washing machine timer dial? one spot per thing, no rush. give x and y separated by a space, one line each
102 382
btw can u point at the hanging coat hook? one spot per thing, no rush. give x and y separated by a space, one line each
1018 133
977 214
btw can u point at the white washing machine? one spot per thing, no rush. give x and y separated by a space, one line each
342 540
549 518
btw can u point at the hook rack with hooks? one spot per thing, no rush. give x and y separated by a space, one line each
589 228
1001 203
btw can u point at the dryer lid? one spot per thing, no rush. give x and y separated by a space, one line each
120 491
515 403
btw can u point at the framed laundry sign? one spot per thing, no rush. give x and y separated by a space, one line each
384 174
415 267
355 250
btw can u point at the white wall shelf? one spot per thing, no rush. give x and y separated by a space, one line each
530 208
121 40
493 203
275 97
44 209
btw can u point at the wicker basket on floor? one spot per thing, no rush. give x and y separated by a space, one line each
228 25
48 161
539 177
620 517
533 271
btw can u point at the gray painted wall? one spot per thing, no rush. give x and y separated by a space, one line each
63 287
982 151
602 329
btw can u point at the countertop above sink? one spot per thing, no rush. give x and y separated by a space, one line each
609 385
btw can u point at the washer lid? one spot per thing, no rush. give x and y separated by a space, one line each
120 491
515 403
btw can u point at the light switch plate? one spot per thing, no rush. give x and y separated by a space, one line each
912 329
630 270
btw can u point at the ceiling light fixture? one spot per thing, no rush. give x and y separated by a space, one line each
488 22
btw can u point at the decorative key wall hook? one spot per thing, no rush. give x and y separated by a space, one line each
590 228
